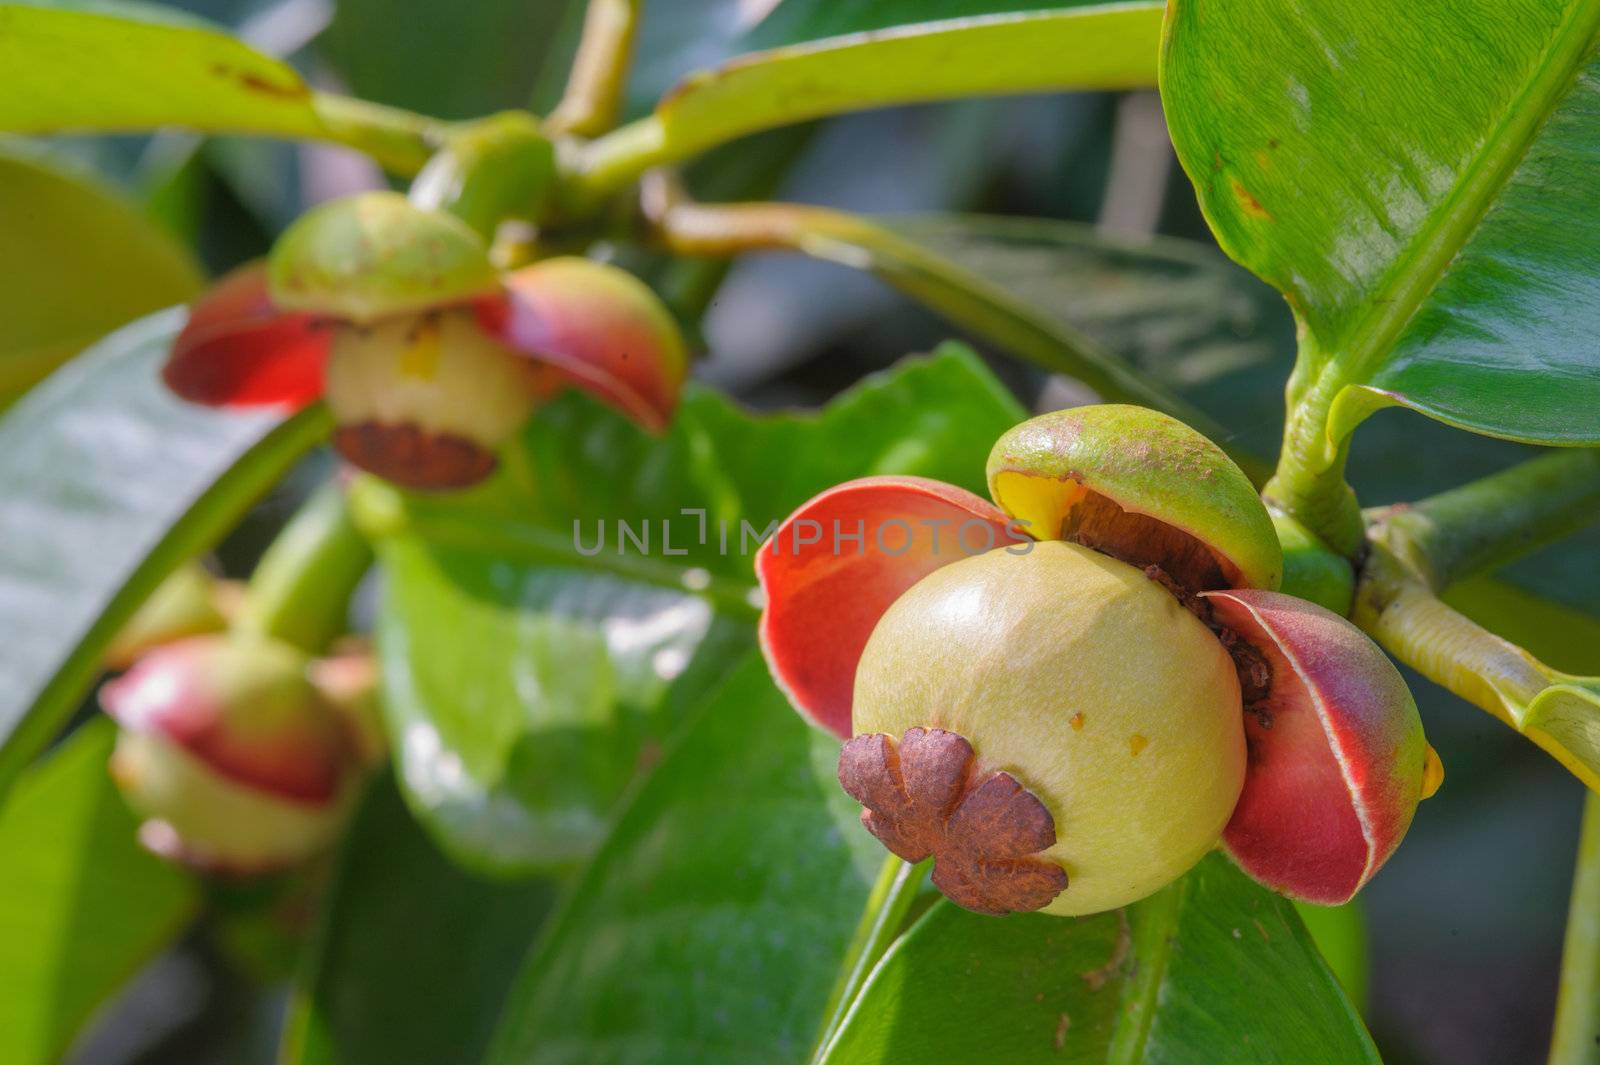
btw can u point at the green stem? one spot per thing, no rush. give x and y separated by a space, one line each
1309 483
300 591
881 920
493 168
1484 525
593 98
1576 1039
963 298
400 141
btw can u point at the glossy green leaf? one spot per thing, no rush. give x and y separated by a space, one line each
76 262
1213 968
114 66
523 698
130 66
1340 934
695 34
413 957
110 482
711 925
532 655
1147 323
1111 46
1172 309
1416 179
83 906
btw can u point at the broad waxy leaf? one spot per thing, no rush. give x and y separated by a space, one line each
523 698
1212 968
529 666
110 482
689 36
711 924
76 261
1438 253
1172 309
84 906
115 65
129 66
1110 46
413 956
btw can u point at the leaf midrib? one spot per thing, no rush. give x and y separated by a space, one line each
1422 266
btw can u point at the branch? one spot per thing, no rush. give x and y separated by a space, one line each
1416 551
961 297
1576 1039
593 97
399 141
1484 525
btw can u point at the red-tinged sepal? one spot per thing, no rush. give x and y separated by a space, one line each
837 563
600 327
239 350
1337 759
232 756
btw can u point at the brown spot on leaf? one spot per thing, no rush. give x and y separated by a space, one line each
254 82
1062 1025
923 797
1249 203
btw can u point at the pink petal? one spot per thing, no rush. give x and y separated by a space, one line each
825 593
1336 751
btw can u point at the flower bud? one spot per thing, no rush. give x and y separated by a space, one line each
235 760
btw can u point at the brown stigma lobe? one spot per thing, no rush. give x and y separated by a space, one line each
414 457
1098 523
923 796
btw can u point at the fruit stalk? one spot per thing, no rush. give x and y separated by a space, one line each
301 589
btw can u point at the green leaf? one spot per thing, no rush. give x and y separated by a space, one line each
1212 968
400 920
1340 933
83 906
695 34
711 926
112 66
1111 46
1565 638
527 672
110 483
1439 255
525 697
77 262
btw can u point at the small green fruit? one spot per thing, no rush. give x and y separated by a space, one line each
376 255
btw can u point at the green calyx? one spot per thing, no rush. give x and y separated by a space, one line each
1141 486
377 255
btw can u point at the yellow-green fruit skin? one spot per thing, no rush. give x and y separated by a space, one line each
1091 685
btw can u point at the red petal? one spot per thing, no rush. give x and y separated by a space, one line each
600 326
824 596
1336 751
237 350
